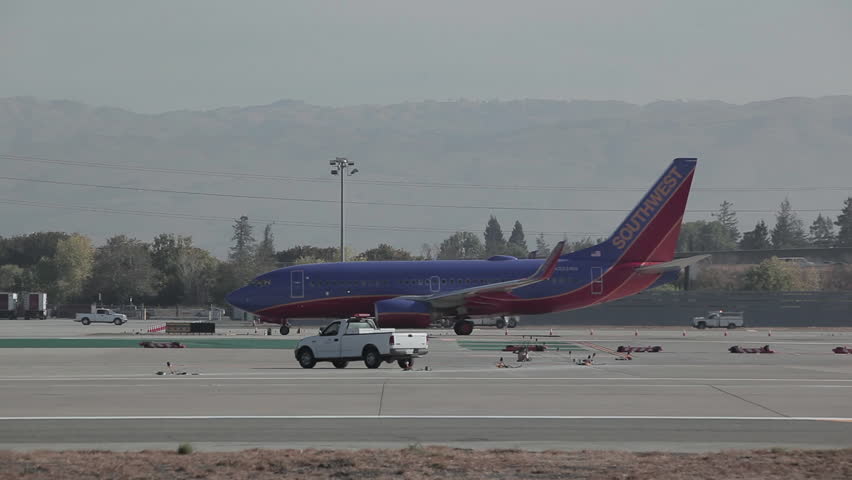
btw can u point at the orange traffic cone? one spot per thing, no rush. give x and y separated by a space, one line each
683 333
507 331
770 333
298 330
551 332
591 332
636 332
725 334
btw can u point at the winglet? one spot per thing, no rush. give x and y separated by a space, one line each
545 271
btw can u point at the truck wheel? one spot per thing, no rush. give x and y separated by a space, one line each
732 326
702 325
405 363
372 359
500 323
513 322
284 330
306 358
340 363
85 321
117 321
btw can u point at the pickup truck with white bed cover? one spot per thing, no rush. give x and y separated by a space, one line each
358 338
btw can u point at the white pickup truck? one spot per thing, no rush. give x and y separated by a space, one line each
719 319
358 338
101 315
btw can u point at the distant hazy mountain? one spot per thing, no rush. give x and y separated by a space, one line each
790 142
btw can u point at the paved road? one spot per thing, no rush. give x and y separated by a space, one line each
533 433
694 377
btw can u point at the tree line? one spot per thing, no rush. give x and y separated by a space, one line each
171 270
722 233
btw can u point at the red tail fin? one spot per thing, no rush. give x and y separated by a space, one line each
650 231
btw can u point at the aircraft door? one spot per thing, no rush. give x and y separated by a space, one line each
434 284
297 284
597 280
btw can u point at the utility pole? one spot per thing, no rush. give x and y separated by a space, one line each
339 167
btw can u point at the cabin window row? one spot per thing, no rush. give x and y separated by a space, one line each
406 282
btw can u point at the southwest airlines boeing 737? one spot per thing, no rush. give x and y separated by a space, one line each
639 255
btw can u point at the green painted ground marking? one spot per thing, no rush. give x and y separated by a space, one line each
237 343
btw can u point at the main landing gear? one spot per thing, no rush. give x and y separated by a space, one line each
285 329
463 327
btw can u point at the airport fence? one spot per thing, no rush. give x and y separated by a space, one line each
762 309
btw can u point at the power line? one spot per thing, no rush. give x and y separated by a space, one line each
256 221
257 176
355 202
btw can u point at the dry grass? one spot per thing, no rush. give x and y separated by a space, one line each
427 463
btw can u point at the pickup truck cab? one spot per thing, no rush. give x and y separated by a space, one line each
358 338
719 319
101 315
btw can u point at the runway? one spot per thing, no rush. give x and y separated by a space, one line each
693 396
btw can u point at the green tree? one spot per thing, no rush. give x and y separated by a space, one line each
580 244
771 275
265 256
727 217
822 232
844 223
27 250
123 269
757 239
776 275
195 270
73 261
242 254
461 245
10 278
542 248
517 237
704 236
243 248
789 231
324 254
165 254
495 243
386 252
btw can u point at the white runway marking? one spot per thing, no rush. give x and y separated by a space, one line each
426 417
410 376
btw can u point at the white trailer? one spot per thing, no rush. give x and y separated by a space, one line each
33 305
8 305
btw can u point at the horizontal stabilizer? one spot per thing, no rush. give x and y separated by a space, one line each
673 266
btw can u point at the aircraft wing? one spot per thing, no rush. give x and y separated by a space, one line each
457 297
673 266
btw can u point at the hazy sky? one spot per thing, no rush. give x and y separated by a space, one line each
153 56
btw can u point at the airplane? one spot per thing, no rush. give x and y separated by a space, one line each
414 294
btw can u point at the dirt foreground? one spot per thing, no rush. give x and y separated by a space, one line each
426 463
